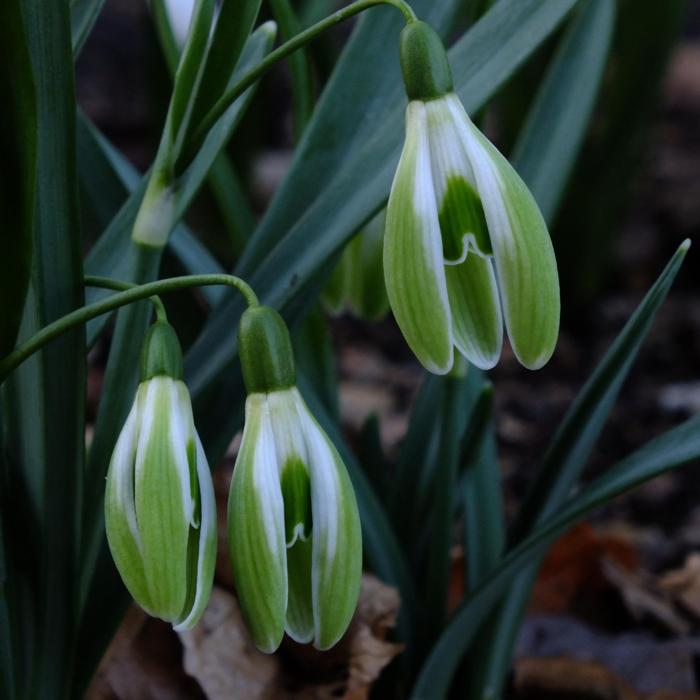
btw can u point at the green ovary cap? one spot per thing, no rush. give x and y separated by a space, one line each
161 354
426 70
265 349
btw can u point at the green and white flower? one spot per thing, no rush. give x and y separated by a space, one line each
160 512
294 528
466 246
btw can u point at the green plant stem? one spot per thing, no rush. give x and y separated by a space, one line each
299 66
301 39
137 293
117 285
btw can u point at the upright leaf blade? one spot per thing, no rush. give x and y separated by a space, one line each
553 133
44 416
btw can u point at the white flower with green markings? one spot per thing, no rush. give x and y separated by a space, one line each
160 512
466 246
294 528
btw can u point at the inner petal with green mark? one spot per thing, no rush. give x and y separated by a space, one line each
296 493
462 222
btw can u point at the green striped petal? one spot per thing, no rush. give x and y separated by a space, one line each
120 513
201 574
413 255
477 323
523 253
162 490
336 566
256 529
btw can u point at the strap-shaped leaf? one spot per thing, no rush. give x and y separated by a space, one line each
83 15
544 156
671 450
18 125
109 255
107 178
44 410
553 133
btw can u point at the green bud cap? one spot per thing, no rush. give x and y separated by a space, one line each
265 349
161 354
426 70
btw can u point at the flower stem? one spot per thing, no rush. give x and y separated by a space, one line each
301 39
130 295
109 283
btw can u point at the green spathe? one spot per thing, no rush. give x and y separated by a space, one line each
160 513
294 528
466 248
426 70
265 350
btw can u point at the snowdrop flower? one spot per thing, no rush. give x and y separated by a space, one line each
294 528
160 512
466 245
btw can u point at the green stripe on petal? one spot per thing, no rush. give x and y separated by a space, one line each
337 537
300 615
120 512
256 529
206 544
413 257
477 323
523 253
163 525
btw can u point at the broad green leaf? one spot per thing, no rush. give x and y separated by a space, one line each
18 136
672 449
553 133
44 399
343 168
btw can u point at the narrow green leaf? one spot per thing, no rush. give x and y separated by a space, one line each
565 459
299 65
553 133
83 15
233 27
44 399
18 125
107 178
671 450
109 255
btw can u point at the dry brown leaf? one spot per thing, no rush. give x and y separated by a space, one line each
547 678
684 584
223 659
143 662
643 597
221 656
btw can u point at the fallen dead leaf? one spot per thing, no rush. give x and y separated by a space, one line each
684 584
550 678
643 597
221 656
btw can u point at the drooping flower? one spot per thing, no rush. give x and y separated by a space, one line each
294 529
466 246
160 513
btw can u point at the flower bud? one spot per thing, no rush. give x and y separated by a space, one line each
293 524
160 513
